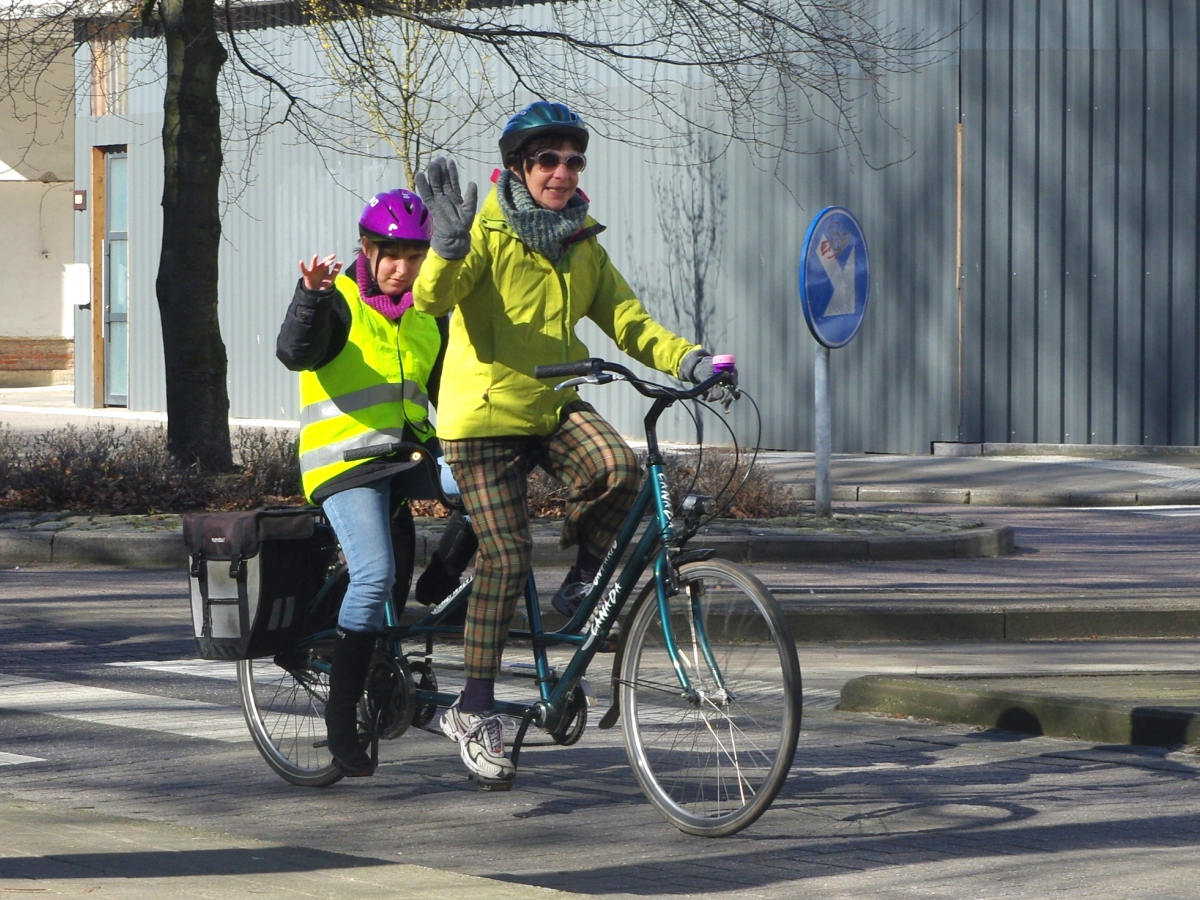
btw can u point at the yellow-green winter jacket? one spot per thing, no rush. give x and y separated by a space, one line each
516 310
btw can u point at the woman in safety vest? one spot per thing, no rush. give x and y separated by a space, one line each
369 364
520 276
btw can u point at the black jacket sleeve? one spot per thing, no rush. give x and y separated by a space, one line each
314 330
435 376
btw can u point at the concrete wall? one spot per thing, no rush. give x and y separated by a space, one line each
36 170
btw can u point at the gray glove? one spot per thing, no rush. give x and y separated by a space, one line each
452 212
696 367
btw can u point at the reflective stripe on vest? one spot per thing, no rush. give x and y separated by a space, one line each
334 453
358 400
369 392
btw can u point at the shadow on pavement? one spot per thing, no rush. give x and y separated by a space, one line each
180 863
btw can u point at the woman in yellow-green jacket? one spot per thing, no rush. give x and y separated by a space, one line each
519 277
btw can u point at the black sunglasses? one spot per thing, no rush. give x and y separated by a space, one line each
549 160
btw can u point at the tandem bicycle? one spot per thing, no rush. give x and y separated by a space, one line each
705 677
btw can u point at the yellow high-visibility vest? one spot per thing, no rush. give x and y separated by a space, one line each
368 392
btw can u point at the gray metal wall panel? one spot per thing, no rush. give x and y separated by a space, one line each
1080 247
1154 418
1080 271
1184 326
996 173
971 64
1023 313
1075 223
1046 250
1129 237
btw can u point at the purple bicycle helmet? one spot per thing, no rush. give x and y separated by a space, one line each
397 215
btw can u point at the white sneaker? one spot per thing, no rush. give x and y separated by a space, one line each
480 744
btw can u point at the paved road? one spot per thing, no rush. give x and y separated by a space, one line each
103 709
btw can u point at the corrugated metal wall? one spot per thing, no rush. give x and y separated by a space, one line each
1079 297
1081 243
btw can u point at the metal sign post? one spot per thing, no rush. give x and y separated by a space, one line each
835 283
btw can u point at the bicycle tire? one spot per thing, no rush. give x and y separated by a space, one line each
285 712
711 764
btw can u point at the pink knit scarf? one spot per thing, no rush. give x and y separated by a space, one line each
384 304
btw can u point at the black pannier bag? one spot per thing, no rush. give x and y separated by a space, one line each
254 579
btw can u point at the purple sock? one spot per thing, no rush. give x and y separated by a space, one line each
586 566
478 696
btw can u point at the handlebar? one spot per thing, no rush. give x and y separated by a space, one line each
566 370
598 371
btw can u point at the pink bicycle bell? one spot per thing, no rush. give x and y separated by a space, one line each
723 362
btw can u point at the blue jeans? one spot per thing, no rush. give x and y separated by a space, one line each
361 518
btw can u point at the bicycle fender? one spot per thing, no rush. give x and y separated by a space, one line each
689 556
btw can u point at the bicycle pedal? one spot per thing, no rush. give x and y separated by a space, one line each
488 784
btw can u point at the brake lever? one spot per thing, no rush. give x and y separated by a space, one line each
586 379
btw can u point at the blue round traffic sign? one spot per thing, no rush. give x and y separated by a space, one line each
835 277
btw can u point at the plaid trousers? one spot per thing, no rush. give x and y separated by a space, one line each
584 453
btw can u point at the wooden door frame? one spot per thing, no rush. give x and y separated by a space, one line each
99 298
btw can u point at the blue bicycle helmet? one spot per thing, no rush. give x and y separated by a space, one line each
538 119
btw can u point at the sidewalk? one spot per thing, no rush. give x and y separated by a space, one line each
1022 479
72 851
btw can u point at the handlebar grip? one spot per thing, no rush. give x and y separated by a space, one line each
560 370
371 451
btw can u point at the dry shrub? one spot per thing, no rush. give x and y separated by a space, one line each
103 470
269 464
741 491
720 475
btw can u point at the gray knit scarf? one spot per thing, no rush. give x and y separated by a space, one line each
543 230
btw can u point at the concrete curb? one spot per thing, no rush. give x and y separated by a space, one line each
164 549
890 623
965 622
848 493
1074 451
970 701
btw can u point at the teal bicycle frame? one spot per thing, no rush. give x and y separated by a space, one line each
591 623
595 616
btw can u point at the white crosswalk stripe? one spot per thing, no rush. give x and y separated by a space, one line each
16 759
819 698
226 670
122 709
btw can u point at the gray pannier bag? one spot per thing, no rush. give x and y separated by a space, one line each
254 579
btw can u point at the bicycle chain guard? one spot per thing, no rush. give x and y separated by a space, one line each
389 696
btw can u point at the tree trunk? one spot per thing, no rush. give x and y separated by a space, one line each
197 396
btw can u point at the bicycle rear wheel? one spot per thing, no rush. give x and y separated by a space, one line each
284 707
713 759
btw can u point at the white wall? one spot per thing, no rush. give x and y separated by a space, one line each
36 234
37 134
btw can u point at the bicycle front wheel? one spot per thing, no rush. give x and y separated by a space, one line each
711 759
285 711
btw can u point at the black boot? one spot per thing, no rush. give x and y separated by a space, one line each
455 551
351 660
